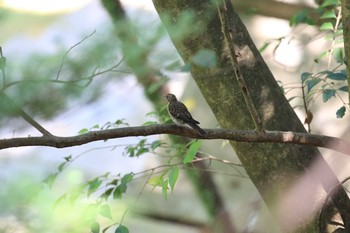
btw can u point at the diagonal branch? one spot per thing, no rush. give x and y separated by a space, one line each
226 134
26 117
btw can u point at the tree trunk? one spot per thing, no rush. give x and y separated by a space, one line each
273 168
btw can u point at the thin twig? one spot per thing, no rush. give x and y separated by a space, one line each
26 117
66 54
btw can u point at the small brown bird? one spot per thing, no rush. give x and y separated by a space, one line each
181 116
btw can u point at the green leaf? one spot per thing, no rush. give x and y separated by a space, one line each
83 131
130 151
326 26
119 190
51 179
165 185
61 166
205 58
107 193
305 76
60 199
2 63
311 83
328 15
127 178
338 55
150 123
121 122
265 45
329 3
339 76
105 211
341 112
121 229
302 16
344 88
95 126
76 192
95 227
327 94
155 180
93 185
173 175
156 144
192 151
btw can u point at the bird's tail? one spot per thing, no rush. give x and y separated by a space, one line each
198 129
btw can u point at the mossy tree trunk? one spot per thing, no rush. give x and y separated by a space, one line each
273 168
345 8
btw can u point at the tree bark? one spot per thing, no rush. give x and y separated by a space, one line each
345 9
274 169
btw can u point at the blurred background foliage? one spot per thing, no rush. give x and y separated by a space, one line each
77 67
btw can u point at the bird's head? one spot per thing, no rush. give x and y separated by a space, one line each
170 97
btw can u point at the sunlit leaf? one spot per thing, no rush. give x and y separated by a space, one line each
328 14
150 123
105 211
76 192
155 180
60 199
165 185
173 175
327 94
329 3
326 26
192 151
83 131
341 112
95 126
95 227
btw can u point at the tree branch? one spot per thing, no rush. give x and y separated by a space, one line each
26 117
226 134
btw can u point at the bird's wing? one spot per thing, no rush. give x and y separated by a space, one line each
185 115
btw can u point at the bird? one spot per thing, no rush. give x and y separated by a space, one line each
181 116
